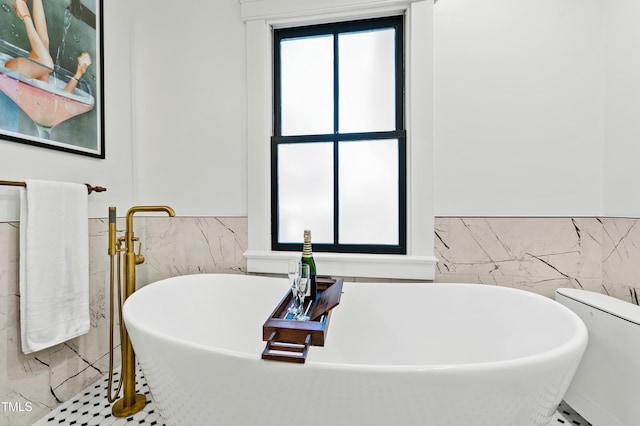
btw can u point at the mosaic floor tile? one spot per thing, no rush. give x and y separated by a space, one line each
568 416
91 408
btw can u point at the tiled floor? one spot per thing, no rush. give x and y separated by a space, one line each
567 416
90 408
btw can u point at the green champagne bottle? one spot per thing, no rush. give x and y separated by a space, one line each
307 257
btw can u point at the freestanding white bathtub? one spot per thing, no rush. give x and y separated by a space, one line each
395 354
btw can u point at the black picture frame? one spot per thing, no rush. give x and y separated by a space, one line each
52 113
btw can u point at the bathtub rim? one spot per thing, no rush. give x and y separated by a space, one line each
577 340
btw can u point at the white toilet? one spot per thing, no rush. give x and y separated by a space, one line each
606 387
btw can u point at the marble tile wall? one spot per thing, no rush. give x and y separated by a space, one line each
32 385
192 245
536 254
541 254
621 258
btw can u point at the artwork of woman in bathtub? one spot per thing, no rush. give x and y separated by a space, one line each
39 64
39 90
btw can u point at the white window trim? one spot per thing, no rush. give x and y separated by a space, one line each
260 17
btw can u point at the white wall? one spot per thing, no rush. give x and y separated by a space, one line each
622 108
18 161
175 115
535 110
189 102
518 107
534 107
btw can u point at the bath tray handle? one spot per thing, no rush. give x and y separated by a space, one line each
287 352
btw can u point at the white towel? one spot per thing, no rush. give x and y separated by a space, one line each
54 263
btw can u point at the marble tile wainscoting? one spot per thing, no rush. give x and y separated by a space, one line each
34 384
536 254
541 254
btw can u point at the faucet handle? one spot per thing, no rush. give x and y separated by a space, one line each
139 256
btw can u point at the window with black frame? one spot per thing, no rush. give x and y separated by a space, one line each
338 150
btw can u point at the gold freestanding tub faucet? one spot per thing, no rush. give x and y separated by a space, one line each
130 403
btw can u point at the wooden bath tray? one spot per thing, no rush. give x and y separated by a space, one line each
288 340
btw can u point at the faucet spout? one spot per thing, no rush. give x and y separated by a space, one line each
145 209
142 209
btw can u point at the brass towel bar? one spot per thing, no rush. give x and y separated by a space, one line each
89 187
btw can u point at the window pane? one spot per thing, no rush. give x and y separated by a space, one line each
367 81
368 182
307 85
305 185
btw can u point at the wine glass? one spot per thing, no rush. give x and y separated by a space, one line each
294 277
303 286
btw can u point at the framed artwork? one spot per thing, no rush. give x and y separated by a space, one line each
51 74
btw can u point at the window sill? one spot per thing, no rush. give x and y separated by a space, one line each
348 265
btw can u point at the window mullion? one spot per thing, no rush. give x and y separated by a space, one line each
336 85
336 198
399 66
392 134
277 98
336 131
